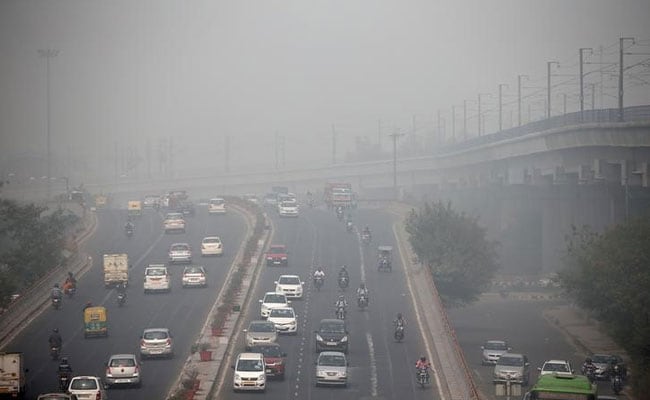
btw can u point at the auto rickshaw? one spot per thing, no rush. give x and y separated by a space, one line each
385 258
95 322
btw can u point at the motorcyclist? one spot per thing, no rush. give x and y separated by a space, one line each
56 292
363 291
319 273
423 364
588 367
341 302
343 272
70 282
65 367
129 226
55 339
399 321
121 289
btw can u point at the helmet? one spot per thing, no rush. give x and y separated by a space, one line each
399 315
588 360
341 297
55 330
423 359
343 267
56 285
70 274
362 285
64 360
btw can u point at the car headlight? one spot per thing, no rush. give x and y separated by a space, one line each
343 374
344 339
319 338
237 377
261 378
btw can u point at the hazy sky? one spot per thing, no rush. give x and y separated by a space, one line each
129 71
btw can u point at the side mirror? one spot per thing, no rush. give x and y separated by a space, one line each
276 282
245 330
288 301
539 368
260 300
482 347
232 366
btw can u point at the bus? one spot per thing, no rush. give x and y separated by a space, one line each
562 387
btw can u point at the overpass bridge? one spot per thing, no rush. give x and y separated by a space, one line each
528 185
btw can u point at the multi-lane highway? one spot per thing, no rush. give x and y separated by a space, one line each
182 310
379 367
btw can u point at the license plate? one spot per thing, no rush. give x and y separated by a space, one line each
122 380
331 343
269 371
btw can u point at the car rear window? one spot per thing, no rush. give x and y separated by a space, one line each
122 362
332 327
83 384
211 240
193 270
179 247
156 272
331 360
153 335
275 298
282 313
268 351
262 327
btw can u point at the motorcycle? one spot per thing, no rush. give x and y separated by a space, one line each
339 214
128 231
56 302
617 384
343 282
54 352
340 312
64 380
399 333
589 372
365 238
422 376
318 283
121 299
349 226
362 301
70 292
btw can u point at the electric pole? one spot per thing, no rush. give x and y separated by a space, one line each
453 124
464 119
479 111
333 144
519 98
582 77
548 86
621 42
501 85
48 54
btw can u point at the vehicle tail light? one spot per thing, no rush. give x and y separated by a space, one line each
98 396
137 369
168 342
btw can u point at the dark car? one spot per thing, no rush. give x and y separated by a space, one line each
605 364
186 208
331 335
274 358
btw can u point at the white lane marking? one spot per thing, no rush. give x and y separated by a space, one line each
363 262
373 366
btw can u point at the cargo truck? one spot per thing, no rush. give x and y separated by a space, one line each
116 269
12 375
338 195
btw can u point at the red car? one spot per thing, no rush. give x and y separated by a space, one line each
277 255
274 359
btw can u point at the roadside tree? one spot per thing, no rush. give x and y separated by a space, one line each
456 250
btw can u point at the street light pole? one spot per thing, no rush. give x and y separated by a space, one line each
453 124
501 85
48 54
621 42
464 119
582 76
519 97
548 86
479 111
395 136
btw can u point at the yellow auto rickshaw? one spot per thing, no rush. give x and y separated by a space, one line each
95 322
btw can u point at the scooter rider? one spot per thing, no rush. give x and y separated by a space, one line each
343 272
121 289
423 364
341 302
319 273
65 368
56 292
129 226
55 339
588 368
399 321
363 291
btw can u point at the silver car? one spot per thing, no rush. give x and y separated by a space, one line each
260 332
492 350
512 367
122 369
156 342
331 368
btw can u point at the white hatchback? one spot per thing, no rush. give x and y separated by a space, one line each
557 367
87 388
249 372
211 246
284 319
272 300
290 285
157 278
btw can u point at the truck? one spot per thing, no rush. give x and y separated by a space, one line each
338 194
116 269
12 375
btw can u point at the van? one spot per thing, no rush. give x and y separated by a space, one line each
217 205
249 372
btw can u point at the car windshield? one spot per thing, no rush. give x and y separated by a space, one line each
122 362
83 384
601 358
211 240
180 247
268 351
495 346
262 327
556 367
288 204
156 272
331 360
249 365
216 202
155 335
173 216
275 298
282 313
276 249
193 270
332 327
511 361
289 280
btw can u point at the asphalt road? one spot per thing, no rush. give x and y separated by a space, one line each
183 310
379 367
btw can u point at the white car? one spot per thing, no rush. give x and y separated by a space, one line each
123 369
492 350
194 276
180 253
217 205
284 319
331 368
87 387
557 367
290 285
157 278
211 246
174 222
156 342
272 300
249 372
288 209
